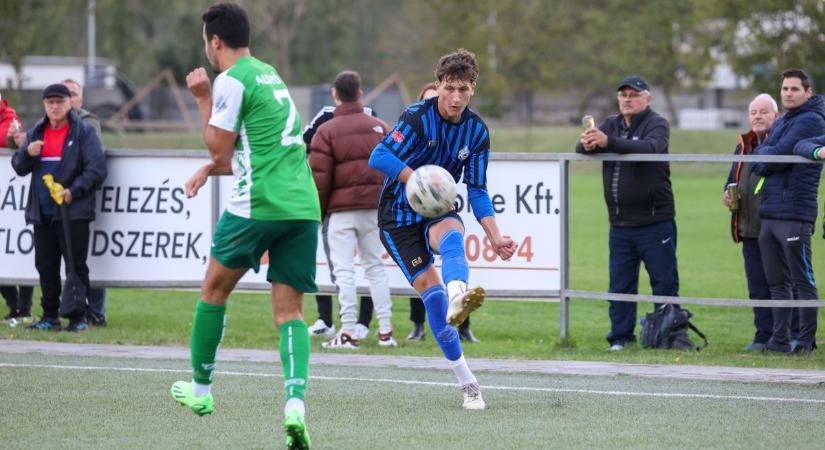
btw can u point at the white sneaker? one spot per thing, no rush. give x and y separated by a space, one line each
616 348
361 332
386 340
342 340
472 397
462 303
319 328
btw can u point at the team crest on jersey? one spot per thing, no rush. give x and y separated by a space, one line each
397 136
463 153
432 144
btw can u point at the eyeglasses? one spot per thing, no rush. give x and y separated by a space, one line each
631 95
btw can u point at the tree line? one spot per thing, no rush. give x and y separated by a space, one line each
524 46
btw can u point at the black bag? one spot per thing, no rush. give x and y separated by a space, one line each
73 302
667 327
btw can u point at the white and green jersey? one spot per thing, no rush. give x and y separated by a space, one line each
273 180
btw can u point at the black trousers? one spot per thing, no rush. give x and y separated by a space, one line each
18 299
786 256
758 289
49 250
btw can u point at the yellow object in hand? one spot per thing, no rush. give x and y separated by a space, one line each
55 189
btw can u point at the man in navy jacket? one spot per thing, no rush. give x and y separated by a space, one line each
788 210
639 201
68 148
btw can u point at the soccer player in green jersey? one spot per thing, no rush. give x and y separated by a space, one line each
253 131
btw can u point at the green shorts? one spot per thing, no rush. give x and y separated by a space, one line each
292 245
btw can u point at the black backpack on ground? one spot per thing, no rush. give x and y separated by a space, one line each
667 327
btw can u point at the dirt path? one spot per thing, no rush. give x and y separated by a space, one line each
684 372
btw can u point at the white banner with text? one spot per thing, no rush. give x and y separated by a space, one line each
147 233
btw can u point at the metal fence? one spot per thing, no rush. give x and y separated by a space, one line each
567 293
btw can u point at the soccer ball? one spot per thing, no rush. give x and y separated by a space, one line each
431 191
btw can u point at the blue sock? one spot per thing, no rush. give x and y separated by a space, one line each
453 261
435 301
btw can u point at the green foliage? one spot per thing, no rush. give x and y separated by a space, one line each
764 37
27 30
523 47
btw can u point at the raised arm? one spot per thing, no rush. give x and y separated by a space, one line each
219 124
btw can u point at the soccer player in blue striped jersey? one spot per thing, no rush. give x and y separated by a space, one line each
442 131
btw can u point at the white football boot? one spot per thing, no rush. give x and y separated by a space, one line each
472 397
462 301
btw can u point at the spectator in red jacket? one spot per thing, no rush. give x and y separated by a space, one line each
11 129
18 299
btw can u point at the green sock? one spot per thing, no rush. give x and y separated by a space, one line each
294 348
207 332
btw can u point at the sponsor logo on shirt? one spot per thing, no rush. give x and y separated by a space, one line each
463 153
397 136
220 104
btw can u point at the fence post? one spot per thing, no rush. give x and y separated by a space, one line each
564 264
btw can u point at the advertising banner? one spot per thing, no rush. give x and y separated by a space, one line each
147 233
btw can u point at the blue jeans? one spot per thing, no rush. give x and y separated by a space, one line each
655 245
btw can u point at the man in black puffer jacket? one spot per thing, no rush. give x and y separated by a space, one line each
789 209
639 201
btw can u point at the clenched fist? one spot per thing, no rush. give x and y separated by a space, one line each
35 147
198 83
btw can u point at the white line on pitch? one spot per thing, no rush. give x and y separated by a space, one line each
436 383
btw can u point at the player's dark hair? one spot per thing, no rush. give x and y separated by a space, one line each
427 87
347 84
459 65
229 22
801 74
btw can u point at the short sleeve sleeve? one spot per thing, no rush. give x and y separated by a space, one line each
227 99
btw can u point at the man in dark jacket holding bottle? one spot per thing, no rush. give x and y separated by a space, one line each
69 149
788 211
744 207
639 201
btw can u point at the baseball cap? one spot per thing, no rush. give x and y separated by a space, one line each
634 82
56 90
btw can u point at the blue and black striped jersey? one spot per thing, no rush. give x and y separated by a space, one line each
423 137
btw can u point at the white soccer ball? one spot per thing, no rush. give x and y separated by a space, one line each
431 191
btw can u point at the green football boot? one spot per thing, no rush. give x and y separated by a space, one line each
182 393
297 436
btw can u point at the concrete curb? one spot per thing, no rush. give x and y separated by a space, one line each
546 367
